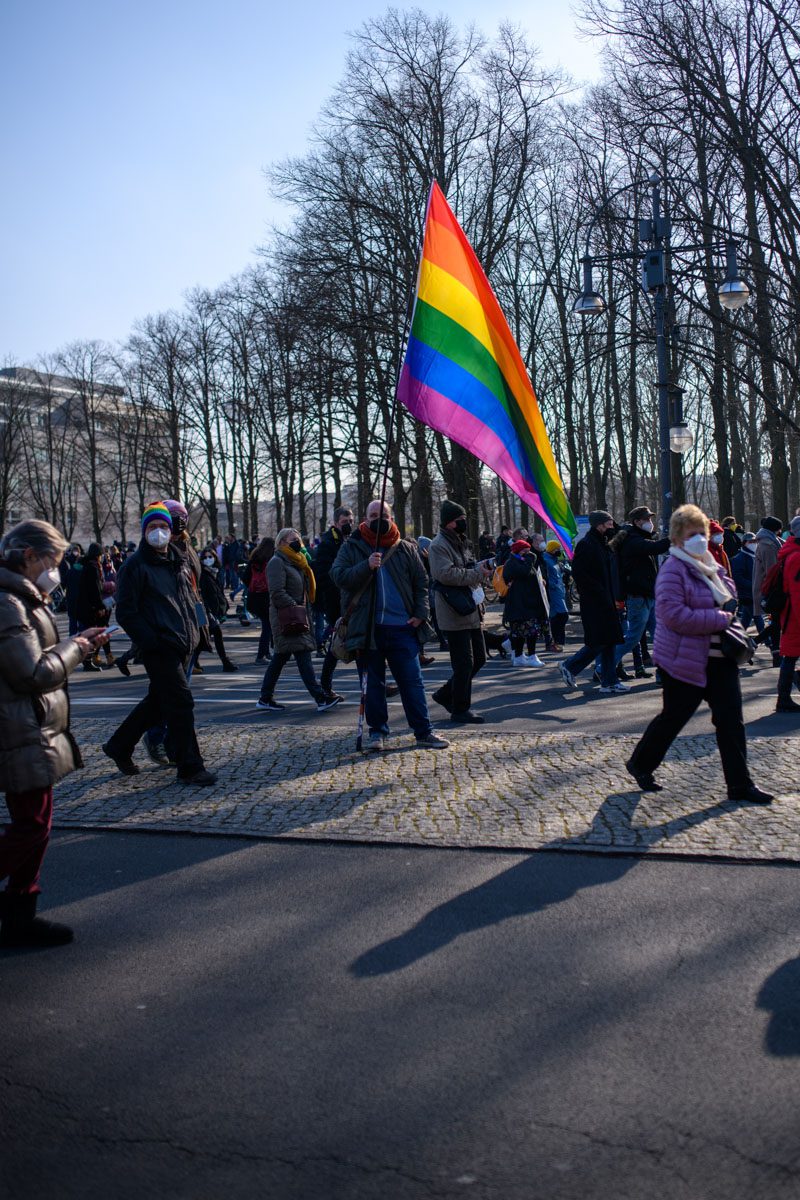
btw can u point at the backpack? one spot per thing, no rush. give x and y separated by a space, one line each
258 579
498 582
773 594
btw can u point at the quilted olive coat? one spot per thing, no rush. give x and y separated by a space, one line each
36 746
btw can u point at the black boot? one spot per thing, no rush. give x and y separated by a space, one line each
19 925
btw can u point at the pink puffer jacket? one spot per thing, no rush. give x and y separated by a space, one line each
686 616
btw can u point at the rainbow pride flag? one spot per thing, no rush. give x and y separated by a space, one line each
464 375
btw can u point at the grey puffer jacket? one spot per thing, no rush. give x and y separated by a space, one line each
287 585
768 546
448 556
36 746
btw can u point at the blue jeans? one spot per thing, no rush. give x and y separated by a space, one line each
608 665
639 609
397 645
746 615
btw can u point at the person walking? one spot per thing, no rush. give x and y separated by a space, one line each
595 575
38 748
742 565
90 610
789 557
526 609
292 591
456 576
695 602
257 585
768 545
215 603
716 546
157 608
383 578
637 550
556 594
328 597
732 537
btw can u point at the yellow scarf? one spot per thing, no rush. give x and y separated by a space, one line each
300 561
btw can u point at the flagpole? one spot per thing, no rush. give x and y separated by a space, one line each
409 314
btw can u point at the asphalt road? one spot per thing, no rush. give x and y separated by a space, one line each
313 1022
511 699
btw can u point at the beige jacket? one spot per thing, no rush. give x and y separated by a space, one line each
36 746
448 556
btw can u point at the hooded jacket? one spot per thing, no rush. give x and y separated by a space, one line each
156 602
768 545
36 746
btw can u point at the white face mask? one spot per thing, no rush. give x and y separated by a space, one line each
209 562
48 581
696 545
157 537
717 539
648 526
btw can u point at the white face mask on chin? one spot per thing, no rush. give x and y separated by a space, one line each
696 545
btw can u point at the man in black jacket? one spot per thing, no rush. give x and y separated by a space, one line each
328 599
637 553
156 606
594 571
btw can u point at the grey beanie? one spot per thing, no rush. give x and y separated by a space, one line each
795 527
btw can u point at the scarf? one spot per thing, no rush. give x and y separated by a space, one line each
708 570
384 540
300 561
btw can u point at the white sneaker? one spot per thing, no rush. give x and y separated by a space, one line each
519 660
533 660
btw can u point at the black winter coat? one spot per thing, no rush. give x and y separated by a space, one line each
524 600
328 599
156 602
213 593
90 609
637 552
595 575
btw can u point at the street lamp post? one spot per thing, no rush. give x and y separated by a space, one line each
674 435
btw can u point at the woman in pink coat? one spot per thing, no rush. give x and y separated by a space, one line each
695 601
789 555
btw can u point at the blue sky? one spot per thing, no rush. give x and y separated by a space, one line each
135 136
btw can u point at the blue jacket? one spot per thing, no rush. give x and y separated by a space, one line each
555 585
742 572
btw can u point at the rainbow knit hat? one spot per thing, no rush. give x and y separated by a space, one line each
155 512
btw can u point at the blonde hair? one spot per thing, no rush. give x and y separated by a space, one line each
688 516
283 535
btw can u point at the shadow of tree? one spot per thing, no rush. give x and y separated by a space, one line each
531 885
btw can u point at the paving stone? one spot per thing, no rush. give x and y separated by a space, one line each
488 789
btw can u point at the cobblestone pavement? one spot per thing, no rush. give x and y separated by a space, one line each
486 790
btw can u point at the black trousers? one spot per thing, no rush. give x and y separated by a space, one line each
681 701
168 702
467 656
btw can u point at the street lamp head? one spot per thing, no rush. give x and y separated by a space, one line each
589 304
733 294
681 438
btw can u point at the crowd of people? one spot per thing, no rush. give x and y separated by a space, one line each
681 603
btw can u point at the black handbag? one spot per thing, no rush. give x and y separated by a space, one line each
460 599
735 643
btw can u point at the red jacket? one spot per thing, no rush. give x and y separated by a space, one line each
789 555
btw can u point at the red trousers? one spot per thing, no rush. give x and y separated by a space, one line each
24 841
